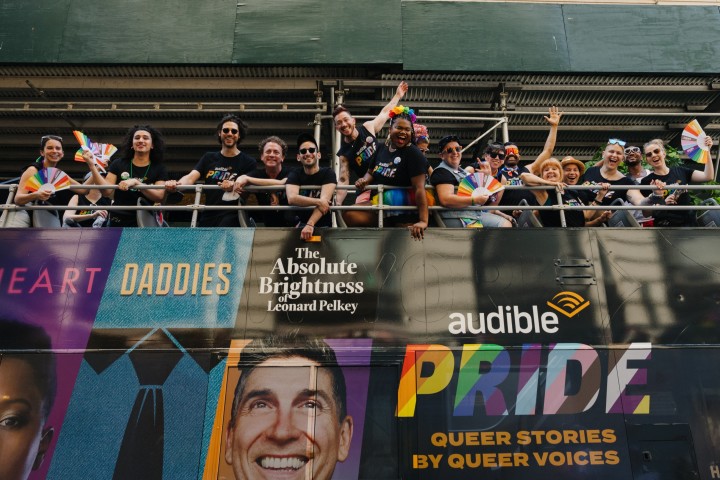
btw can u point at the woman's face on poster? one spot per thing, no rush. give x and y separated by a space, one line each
23 442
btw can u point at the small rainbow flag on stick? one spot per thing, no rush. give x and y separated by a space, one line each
693 142
101 151
50 178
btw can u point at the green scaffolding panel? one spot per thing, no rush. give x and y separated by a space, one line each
159 31
619 38
318 32
32 31
472 36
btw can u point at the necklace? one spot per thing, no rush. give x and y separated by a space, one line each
144 175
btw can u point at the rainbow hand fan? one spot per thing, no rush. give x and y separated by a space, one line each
50 178
101 151
693 142
485 184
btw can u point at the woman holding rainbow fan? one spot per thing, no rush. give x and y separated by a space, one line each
399 163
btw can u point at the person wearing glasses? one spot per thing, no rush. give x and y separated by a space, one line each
494 155
311 174
216 167
633 162
612 156
663 175
51 152
359 144
511 172
446 177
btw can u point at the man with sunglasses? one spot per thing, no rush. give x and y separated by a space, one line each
633 161
447 176
216 167
511 172
311 174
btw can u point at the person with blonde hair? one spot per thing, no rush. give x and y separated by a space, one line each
663 175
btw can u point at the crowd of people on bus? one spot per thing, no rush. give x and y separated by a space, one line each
401 161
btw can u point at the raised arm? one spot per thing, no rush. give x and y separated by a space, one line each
554 120
376 124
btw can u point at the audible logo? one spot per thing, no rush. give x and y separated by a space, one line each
510 319
568 303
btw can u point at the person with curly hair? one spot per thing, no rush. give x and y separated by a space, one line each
140 162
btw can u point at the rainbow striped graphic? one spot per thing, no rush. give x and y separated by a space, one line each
52 179
693 142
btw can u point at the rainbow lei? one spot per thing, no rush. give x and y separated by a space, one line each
401 110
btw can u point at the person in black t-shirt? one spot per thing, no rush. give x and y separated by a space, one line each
139 163
83 217
215 167
613 155
311 174
272 154
663 175
551 173
51 152
446 178
401 164
359 145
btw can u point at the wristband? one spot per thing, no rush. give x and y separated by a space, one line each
472 202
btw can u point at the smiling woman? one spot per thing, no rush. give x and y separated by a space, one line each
27 393
51 152
399 164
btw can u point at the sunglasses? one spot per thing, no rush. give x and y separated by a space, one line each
303 151
616 141
499 155
453 150
653 152
51 137
228 130
630 150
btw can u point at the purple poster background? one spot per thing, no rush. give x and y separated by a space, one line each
55 279
353 356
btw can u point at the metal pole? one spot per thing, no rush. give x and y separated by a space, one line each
198 194
563 222
6 214
317 123
380 204
503 109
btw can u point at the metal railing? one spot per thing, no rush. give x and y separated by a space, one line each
196 207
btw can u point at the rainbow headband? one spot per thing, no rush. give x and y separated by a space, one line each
403 111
